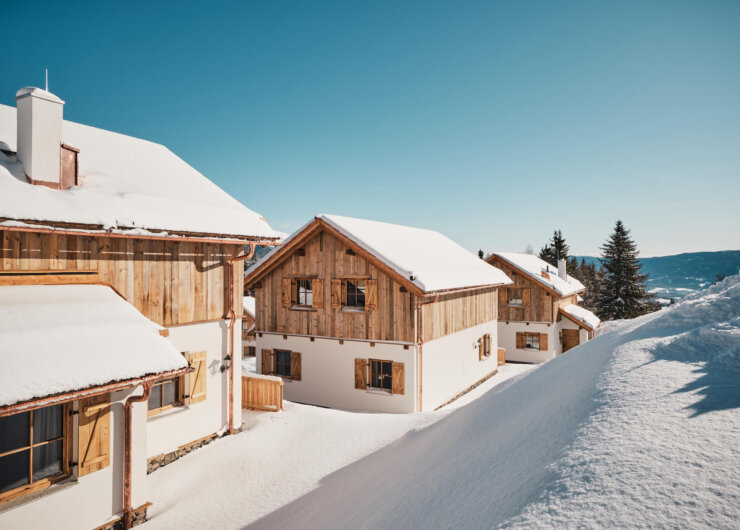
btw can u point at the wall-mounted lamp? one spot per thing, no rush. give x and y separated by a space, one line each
227 363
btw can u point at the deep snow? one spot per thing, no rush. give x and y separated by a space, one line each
638 427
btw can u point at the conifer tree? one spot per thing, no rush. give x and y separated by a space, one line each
623 293
480 253
556 249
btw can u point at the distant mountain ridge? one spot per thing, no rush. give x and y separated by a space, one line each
678 275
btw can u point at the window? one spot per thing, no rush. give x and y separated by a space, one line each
515 296
165 395
304 294
381 374
251 351
282 363
532 341
484 347
31 448
355 294
245 325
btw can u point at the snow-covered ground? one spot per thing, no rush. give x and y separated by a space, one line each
236 480
638 427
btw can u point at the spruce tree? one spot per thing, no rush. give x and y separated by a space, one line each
480 253
623 293
556 249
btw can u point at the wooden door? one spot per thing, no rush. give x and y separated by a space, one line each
571 339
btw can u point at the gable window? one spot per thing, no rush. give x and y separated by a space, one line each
31 449
515 296
282 363
165 395
381 374
304 293
355 294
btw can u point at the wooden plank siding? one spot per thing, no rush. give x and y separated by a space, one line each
170 282
542 307
455 312
325 258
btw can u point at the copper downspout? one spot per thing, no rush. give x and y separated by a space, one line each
232 321
421 341
127 431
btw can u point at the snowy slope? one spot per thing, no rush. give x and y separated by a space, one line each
639 427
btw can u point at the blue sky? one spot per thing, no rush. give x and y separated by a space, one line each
493 122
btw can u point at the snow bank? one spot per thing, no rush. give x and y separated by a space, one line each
638 427
61 338
535 267
127 183
429 259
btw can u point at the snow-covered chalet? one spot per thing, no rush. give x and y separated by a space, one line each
539 315
120 295
369 316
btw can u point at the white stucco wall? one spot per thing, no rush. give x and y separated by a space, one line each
450 364
507 339
96 498
171 429
328 373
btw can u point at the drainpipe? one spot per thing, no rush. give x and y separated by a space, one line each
128 436
232 321
421 340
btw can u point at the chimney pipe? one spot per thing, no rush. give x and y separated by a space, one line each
562 269
39 127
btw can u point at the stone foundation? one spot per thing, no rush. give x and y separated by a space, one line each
138 516
155 462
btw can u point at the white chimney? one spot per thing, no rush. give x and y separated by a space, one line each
39 122
562 269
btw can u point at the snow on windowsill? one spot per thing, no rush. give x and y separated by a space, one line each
379 392
353 310
302 308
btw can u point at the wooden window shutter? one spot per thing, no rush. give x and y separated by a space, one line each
336 294
521 341
361 374
318 293
543 342
371 294
286 292
295 365
487 342
397 381
197 386
94 434
481 348
266 362
526 296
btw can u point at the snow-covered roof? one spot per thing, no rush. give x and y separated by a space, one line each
542 271
582 315
126 183
426 258
63 338
249 305
39 93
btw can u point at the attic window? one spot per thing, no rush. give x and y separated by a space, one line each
300 252
350 252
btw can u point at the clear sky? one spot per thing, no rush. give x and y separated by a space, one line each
493 122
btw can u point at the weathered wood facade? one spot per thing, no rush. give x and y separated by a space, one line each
170 282
323 257
538 303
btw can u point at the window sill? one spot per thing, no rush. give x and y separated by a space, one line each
353 310
379 392
50 486
302 308
167 411
515 305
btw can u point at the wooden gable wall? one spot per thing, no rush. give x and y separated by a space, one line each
169 282
324 257
542 306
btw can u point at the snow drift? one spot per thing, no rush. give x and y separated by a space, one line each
638 427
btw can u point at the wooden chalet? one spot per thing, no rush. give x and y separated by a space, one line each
539 316
82 208
362 315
